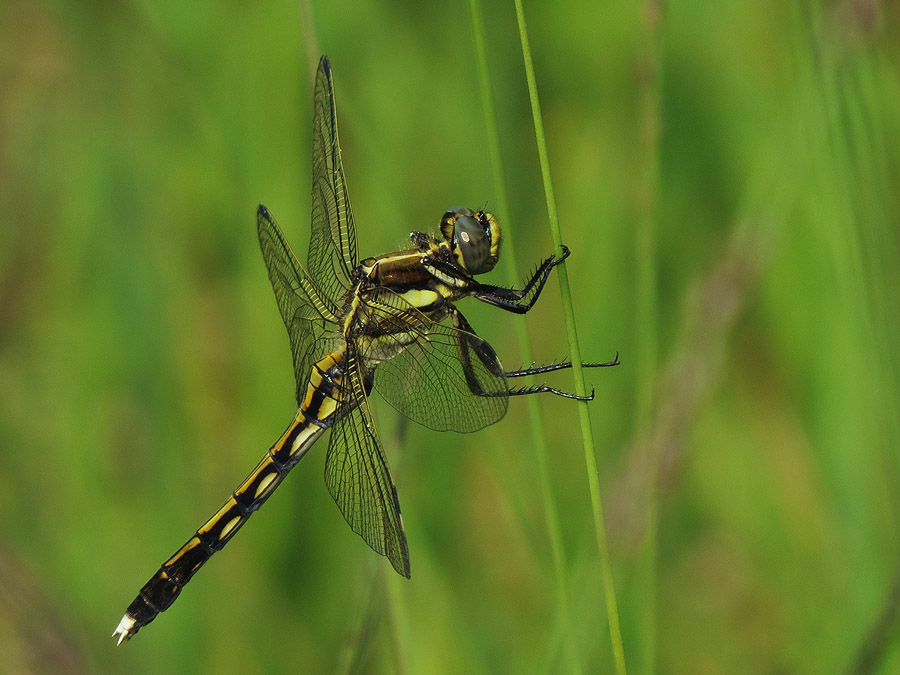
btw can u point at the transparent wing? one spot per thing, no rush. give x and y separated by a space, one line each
309 316
332 245
443 377
357 476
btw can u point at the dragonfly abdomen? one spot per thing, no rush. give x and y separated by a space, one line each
324 393
317 413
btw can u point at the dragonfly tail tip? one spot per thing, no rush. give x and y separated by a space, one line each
125 629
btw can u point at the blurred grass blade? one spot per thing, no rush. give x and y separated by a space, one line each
308 37
551 512
646 330
574 353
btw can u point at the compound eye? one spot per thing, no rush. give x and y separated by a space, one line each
472 244
448 220
458 211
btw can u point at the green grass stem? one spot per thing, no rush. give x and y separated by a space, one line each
551 512
575 354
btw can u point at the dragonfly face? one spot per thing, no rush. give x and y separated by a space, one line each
388 323
474 239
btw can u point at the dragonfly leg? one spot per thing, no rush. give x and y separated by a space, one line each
488 357
545 389
550 367
468 343
522 300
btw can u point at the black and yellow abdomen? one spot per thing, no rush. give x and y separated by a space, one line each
319 410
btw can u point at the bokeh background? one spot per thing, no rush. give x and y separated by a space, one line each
728 178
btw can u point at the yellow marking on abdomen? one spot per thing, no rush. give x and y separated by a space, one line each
208 525
229 527
191 544
326 410
264 485
328 404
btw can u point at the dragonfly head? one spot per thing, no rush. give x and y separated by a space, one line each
474 239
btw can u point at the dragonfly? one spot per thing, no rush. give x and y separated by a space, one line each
387 323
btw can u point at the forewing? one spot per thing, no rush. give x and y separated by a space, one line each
308 315
332 245
357 476
445 378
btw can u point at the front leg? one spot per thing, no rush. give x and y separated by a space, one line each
441 265
520 301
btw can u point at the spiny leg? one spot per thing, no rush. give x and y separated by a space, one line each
520 301
469 342
550 367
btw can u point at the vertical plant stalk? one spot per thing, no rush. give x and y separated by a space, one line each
612 610
551 513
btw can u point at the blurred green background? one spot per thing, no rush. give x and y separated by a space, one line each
728 178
